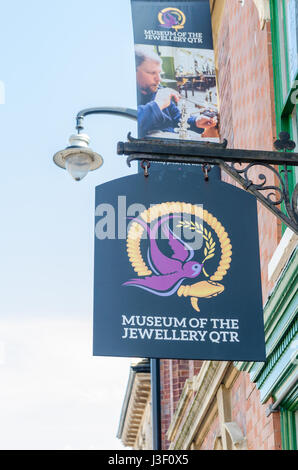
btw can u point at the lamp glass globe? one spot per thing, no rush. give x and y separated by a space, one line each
78 165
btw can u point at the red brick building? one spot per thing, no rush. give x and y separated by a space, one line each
226 405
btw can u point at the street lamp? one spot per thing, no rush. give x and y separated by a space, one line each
78 159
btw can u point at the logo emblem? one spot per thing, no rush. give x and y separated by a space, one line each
171 18
173 266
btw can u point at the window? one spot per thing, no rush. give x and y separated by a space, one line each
284 28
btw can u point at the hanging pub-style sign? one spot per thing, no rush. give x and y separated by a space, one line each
177 271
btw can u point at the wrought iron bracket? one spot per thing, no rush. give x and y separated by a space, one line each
236 163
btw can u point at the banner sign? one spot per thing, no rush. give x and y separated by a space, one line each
177 271
175 70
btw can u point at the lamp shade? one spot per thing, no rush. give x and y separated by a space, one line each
78 159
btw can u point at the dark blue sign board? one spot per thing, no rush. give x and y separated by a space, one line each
177 271
176 24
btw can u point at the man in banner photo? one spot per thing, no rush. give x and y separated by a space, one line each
157 105
175 70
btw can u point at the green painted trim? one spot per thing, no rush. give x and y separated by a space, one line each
277 353
288 430
283 322
277 378
291 401
277 79
283 109
288 105
286 43
285 283
281 326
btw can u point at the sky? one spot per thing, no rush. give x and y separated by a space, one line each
57 58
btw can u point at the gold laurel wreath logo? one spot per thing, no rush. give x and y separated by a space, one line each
202 289
209 250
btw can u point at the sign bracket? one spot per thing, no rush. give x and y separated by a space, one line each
238 164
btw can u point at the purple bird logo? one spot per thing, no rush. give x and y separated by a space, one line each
171 18
169 272
169 267
168 20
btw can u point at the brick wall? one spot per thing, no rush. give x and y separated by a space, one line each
247 121
173 374
245 83
262 433
246 97
224 81
213 432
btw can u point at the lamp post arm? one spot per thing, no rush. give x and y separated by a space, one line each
125 112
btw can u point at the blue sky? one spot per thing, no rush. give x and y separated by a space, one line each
56 59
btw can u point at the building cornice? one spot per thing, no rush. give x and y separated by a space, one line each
205 386
135 401
184 400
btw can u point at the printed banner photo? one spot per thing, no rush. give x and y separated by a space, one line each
175 70
176 269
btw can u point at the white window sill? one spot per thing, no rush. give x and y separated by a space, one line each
281 255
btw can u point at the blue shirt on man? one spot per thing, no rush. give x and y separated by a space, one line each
152 119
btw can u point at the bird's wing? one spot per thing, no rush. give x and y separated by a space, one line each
160 285
182 251
159 263
150 262
162 264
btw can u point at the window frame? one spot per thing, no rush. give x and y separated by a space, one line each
284 89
